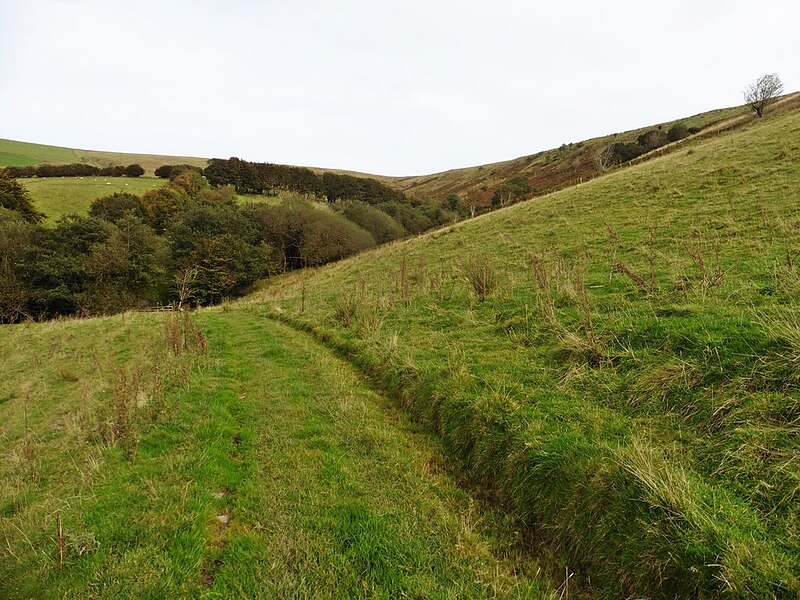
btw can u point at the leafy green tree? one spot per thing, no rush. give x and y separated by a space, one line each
171 171
650 140
511 191
14 196
456 204
56 264
134 170
677 132
116 206
15 235
380 225
126 270
304 236
413 220
222 244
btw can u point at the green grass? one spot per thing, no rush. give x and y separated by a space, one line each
14 160
59 196
648 422
625 393
328 491
15 153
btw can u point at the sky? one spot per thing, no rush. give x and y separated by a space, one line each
388 87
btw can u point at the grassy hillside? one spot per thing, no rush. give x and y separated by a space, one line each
58 196
262 469
14 153
568 165
545 171
628 384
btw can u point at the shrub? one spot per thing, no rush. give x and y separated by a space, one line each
652 139
134 170
14 196
172 171
481 275
677 132
380 225
116 206
304 236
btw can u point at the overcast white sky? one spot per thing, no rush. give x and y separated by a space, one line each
390 87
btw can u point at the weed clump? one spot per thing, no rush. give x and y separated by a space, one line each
482 276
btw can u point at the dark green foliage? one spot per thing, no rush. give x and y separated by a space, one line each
380 225
347 187
75 170
56 265
134 171
15 234
511 191
266 178
652 139
14 196
677 132
262 178
131 251
622 152
214 236
455 204
126 270
172 171
114 207
413 220
304 236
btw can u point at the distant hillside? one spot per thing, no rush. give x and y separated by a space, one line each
543 172
14 153
567 165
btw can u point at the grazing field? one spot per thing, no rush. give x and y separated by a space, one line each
58 196
264 469
616 362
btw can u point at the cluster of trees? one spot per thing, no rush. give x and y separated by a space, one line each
266 178
171 171
185 241
346 192
14 197
511 191
621 152
75 170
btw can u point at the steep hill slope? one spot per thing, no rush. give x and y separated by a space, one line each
572 163
615 362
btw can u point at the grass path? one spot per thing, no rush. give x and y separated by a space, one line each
334 500
278 475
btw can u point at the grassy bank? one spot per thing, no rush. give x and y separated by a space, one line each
614 361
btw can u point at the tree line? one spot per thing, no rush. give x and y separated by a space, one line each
75 170
267 178
186 241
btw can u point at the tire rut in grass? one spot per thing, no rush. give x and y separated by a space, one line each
327 461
